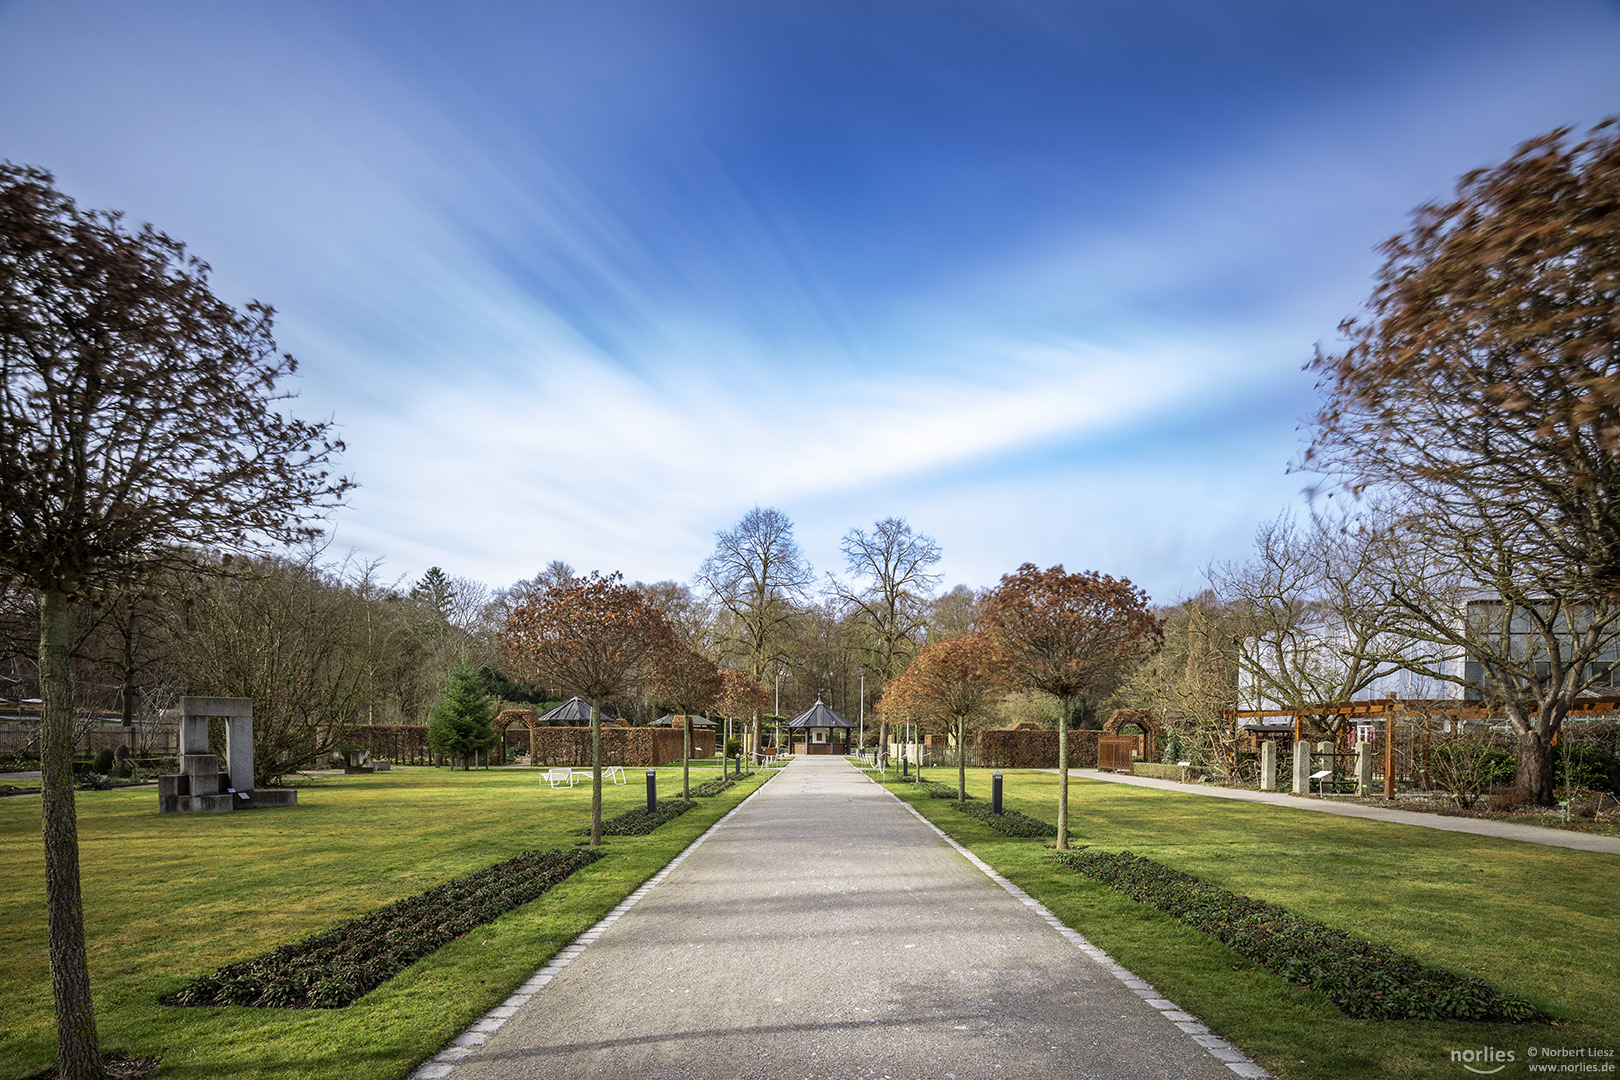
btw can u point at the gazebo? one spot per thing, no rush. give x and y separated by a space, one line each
575 712
825 731
699 723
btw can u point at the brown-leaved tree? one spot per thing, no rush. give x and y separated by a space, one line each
594 637
139 416
1480 396
957 681
688 682
1070 635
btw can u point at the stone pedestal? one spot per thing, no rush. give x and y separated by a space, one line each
1268 766
1364 769
1302 767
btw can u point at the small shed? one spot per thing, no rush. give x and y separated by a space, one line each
822 731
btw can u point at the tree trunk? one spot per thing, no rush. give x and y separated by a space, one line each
961 759
883 744
759 731
1535 759
596 775
78 1054
1063 774
686 759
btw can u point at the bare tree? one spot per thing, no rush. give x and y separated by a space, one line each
1069 635
755 574
138 413
1192 681
314 646
893 582
1479 396
1308 617
955 613
595 637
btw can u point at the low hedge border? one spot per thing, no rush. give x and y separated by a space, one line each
640 823
710 788
935 789
336 967
1364 980
1009 822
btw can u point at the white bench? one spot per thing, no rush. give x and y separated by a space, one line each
614 773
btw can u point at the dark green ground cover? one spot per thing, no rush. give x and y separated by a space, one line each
1537 922
1009 822
639 822
1366 981
336 967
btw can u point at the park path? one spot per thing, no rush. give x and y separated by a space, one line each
823 931
1502 830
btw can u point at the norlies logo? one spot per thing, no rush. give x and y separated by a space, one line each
1485 1056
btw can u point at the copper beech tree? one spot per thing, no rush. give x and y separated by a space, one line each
1479 397
956 682
688 682
596 638
139 418
741 696
1070 635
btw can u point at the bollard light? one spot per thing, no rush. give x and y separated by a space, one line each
652 791
995 793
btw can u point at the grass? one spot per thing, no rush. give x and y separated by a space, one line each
171 897
1536 921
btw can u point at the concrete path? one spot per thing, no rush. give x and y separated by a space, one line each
1502 830
824 931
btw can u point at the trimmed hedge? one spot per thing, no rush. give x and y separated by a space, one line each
335 967
640 823
1036 749
1009 822
1161 772
1365 980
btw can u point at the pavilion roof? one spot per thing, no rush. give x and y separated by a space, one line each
818 715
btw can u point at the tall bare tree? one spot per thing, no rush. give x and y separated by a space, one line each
595 637
1308 616
1070 635
893 581
756 573
138 414
1480 395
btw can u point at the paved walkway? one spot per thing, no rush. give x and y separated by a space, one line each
824 931
1502 830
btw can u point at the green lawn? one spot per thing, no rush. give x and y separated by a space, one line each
171 897
1538 921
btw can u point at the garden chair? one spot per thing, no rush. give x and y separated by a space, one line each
560 776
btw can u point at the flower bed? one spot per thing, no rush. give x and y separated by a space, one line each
1366 981
640 823
937 790
335 967
1009 822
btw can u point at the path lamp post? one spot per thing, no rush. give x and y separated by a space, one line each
652 791
862 748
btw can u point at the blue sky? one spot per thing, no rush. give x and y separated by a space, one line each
586 281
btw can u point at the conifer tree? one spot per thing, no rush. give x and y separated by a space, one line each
459 723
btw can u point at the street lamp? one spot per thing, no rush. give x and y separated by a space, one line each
777 723
863 711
